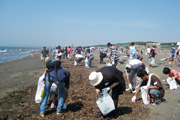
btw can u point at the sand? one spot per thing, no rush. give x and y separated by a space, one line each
17 74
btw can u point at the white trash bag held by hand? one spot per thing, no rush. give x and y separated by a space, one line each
172 83
145 95
105 104
39 92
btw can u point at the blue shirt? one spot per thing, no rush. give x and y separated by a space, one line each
173 50
132 50
62 75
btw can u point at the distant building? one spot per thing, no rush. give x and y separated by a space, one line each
151 44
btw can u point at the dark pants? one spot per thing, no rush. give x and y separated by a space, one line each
115 97
177 80
101 60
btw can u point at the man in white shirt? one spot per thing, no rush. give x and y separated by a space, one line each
131 69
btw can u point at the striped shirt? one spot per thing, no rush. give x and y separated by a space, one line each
114 54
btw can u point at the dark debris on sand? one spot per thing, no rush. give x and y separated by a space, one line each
81 102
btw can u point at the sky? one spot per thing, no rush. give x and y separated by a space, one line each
88 22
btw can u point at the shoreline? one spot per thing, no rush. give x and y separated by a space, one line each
17 74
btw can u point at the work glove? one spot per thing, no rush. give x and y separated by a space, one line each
130 86
147 70
105 90
134 99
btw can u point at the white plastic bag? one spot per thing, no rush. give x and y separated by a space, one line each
108 64
145 96
75 63
105 104
86 62
39 92
172 84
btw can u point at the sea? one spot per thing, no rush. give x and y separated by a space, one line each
13 53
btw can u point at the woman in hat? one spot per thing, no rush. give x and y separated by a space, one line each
105 79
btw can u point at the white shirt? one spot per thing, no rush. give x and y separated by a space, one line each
78 56
135 63
148 50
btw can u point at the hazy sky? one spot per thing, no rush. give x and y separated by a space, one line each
87 22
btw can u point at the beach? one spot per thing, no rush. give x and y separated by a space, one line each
18 80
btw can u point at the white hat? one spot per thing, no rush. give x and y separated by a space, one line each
129 66
95 78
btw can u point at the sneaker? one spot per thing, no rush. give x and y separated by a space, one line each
53 105
157 102
42 114
134 91
128 89
60 111
64 106
98 115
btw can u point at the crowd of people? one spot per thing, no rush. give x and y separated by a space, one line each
108 77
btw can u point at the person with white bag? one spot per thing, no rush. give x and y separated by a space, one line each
104 80
55 73
152 83
173 75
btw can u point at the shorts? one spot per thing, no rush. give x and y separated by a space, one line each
155 92
54 90
172 55
44 58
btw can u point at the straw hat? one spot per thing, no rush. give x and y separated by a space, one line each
95 78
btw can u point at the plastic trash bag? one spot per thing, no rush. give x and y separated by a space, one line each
105 104
145 96
86 62
108 64
39 92
75 63
172 84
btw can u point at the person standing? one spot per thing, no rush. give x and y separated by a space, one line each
148 51
44 54
172 54
114 57
132 52
69 50
32 53
178 56
106 79
152 55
